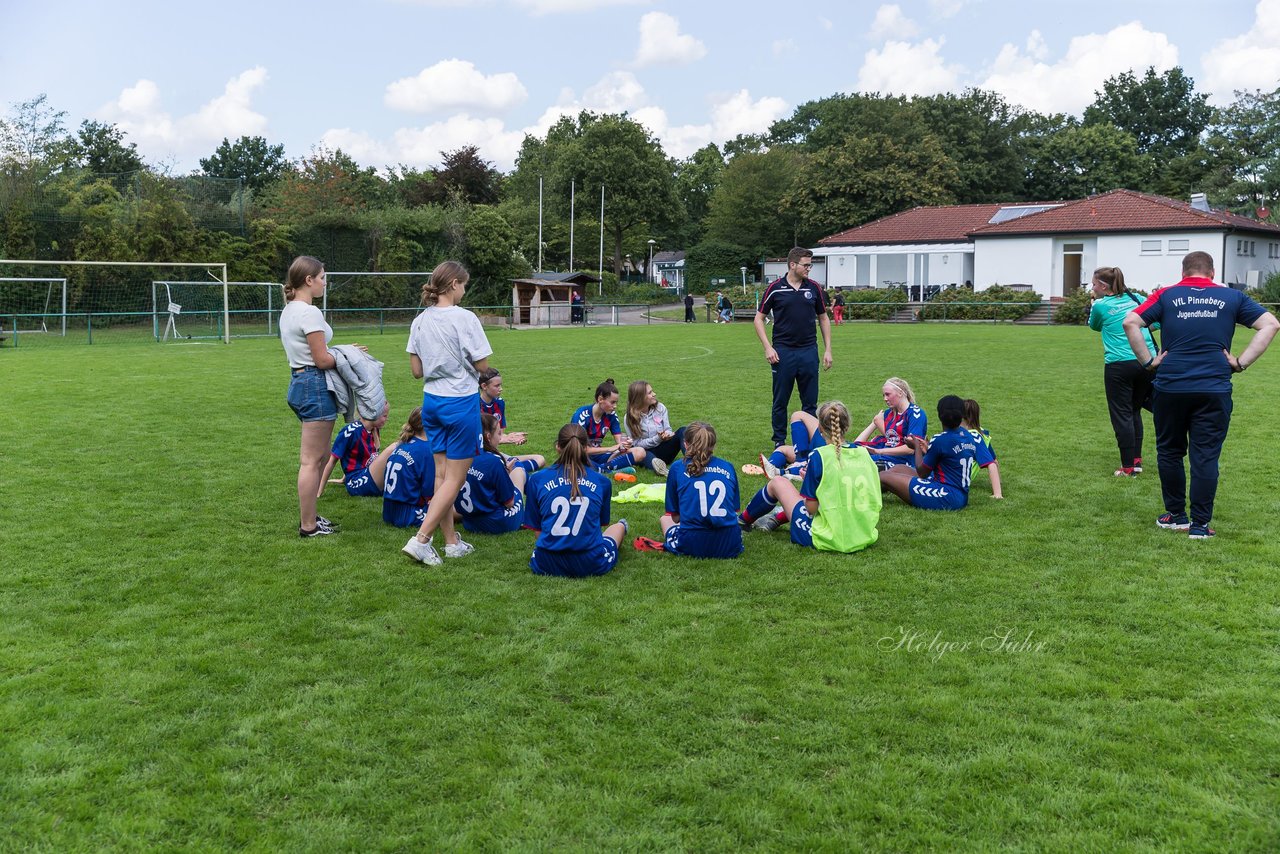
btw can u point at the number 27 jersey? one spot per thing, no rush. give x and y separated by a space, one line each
566 522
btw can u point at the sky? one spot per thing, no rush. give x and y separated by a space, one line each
401 81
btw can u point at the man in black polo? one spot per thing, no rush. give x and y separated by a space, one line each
796 302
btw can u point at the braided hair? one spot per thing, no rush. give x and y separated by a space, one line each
833 421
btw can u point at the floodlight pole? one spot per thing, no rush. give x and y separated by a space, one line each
601 270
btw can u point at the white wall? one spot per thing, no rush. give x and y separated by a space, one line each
1147 270
1014 261
1235 266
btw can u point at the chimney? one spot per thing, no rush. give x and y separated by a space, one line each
1200 202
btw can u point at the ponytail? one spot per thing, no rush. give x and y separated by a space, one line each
488 424
833 421
413 426
1113 278
303 267
606 389
442 278
699 445
571 449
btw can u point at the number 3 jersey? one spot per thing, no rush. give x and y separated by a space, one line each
707 501
567 522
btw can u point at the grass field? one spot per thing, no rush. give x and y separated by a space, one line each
1049 672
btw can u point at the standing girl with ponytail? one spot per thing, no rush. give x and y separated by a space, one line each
448 349
567 503
1127 384
837 507
702 502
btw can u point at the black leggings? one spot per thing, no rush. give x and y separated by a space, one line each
1128 390
668 449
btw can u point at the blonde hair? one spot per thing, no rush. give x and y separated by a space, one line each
303 267
571 455
903 388
699 445
442 278
636 409
833 421
413 426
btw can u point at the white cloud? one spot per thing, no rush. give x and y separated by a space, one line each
784 47
946 8
1248 61
890 23
616 92
455 84
825 23
902 68
1026 78
1037 48
662 43
730 115
551 7
140 113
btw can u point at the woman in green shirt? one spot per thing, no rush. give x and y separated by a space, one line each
1127 383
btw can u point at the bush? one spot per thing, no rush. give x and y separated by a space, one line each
1074 310
962 304
873 303
1270 290
716 259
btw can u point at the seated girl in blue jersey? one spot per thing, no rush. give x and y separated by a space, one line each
410 478
985 452
357 449
942 474
491 402
491 500
838 505
598 419
702 502
884 436
567 503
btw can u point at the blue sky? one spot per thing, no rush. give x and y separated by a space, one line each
399 81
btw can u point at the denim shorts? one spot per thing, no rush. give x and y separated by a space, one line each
309 397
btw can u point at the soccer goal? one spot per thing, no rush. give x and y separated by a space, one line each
34 304
201 310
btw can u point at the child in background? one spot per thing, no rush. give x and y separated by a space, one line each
942 475
984 452
491 500
410 475
357 448
598 419
567 503
702 502
838 505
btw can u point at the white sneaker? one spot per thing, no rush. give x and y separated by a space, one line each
770 469
424 552
458 549
659 467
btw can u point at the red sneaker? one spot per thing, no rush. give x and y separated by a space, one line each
644 544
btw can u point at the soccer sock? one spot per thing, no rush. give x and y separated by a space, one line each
800 439
759 505
779 459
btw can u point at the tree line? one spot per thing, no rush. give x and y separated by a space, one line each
834 163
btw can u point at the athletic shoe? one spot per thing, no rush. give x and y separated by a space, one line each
627 470
1137 465
322 522
424 552
770 469
644 544
317 531
1178 522
623 477
767 522
752 468
743 523
1201 532
659 467
1126 472
458 549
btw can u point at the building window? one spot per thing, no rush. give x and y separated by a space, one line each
1152 247
1241 247
1179 246
1273 250
1253 248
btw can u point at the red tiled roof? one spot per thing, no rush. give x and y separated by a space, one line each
1123 210
949 223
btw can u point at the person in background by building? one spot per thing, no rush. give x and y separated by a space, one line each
837 307
1127 385
1192 403
795 301
688 308
575 306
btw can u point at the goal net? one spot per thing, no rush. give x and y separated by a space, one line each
33 305
192 310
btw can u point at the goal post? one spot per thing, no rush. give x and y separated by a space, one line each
30 297
194 309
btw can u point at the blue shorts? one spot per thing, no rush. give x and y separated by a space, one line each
801 525
929 495
621 461
703 542
884 462
452 425
598 561
309 397
402 515
360 484
510 519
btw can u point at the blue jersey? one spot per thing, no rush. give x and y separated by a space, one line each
910 422
1197 321
488 488
951 456
596 430
411 474
567 522
354 447
707 501
497 408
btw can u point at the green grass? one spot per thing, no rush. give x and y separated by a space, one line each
178 669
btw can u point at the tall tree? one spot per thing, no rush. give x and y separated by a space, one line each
984 135
32 133
1244 152
697 177
467 176
746 207
1073 162
102 149
251 158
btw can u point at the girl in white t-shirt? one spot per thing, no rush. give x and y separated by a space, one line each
305 336
447 350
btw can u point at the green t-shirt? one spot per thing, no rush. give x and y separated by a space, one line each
1107 317
849 500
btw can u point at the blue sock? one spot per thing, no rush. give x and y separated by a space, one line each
800 439
759 505
779 459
